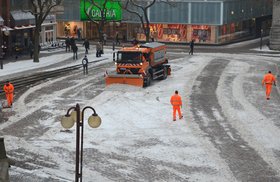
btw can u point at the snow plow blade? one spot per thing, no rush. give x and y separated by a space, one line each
135 80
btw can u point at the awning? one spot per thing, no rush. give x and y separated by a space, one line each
1 20
23 27
5 28
23 18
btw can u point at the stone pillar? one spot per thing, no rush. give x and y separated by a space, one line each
274 42
4 163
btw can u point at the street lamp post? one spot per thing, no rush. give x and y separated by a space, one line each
1 48
68 121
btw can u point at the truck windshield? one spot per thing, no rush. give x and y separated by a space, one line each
129 57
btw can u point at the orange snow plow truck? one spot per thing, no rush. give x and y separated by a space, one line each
139 65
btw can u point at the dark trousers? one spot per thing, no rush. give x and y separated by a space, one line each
31 54
191 51
98 53
85 70
68 48
75 55
86 50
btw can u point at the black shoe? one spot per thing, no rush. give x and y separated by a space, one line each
267 98
181 117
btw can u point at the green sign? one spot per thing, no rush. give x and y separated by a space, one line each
113 10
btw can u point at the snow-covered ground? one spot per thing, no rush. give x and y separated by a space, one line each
137 140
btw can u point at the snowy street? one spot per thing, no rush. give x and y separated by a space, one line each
229 132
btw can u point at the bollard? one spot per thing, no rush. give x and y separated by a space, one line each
4 163
1 63
2 149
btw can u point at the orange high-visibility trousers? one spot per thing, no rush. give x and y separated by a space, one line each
178 109
268 89
10 99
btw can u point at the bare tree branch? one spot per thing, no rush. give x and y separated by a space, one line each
145 23
40 9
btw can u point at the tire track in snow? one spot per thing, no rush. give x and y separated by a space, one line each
240 86
244 161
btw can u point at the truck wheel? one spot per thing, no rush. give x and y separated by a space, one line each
147 81
164 74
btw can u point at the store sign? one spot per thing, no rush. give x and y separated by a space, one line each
113 10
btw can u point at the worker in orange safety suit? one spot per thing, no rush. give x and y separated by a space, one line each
176 102
268 80
9 90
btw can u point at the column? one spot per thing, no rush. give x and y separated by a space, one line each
274 42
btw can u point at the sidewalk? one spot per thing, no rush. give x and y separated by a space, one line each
48 61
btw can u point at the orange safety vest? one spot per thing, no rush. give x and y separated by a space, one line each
9 89
268 79
176 100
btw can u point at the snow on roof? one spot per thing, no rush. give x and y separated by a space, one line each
21 15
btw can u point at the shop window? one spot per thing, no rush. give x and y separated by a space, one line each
164 32
67 29
201 33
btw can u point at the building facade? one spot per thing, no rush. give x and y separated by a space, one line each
18 27
274 39
205 21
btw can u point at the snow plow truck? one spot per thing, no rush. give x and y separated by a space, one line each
140 64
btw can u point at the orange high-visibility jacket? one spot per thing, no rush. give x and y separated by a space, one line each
268 79
9 89
176 100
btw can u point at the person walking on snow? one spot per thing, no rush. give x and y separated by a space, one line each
98 49
9 90
85 65
117 39
86 44
67 44
268 80
176 102
31 49
191 47
75 52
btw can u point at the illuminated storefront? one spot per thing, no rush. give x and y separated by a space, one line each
206 22
177 33
81 25
163 32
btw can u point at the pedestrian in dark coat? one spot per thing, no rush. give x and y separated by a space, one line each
85 65
72 43
104 38
191 47
98 49
31 49
86 44
75 52
117 39
67 44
